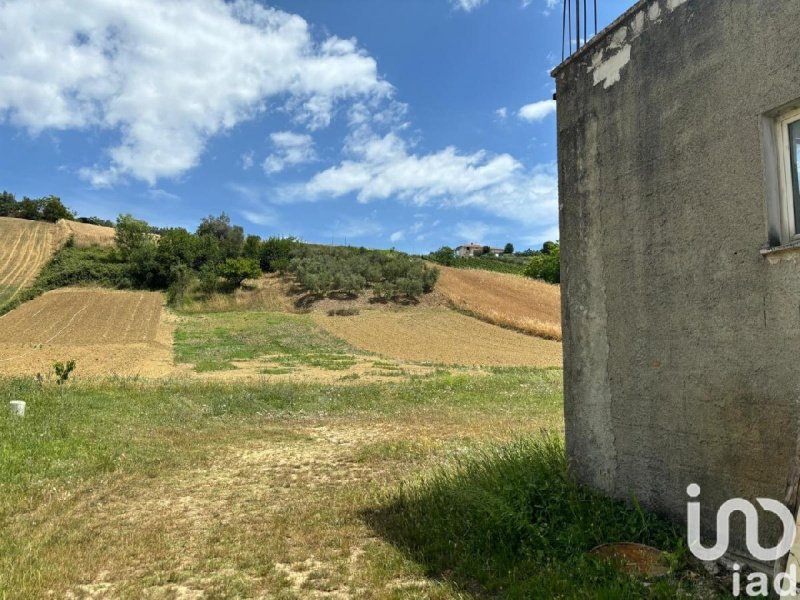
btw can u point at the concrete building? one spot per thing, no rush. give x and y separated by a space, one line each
678 138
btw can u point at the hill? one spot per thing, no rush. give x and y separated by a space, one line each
25 246
527 305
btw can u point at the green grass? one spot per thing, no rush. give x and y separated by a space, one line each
509 521
445 501
212 341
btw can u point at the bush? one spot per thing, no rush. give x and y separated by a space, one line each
131 235
275 252
546 266
235 270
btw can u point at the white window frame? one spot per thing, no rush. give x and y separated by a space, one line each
789 229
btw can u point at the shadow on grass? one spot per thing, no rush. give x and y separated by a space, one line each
508 521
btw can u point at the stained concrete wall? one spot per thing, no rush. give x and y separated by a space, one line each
681 341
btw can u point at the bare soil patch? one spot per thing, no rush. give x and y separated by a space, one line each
439 335
106 332
521 303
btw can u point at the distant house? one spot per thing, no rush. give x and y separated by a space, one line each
469 250
472 250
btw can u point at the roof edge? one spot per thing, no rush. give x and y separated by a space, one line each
599 37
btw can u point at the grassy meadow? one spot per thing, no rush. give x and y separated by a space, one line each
447 486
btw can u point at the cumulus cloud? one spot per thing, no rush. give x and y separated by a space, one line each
467 5
167 75
382 167
397 236
501 113
537 111
290 149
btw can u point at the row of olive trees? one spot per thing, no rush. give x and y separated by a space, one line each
48 208
323 270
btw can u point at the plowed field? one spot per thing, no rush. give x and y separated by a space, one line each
107 332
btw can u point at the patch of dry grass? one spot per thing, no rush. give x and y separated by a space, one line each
527 305
86 234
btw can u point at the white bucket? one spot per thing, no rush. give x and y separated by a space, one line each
17 408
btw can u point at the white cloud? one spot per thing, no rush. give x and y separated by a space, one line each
248 159
167 75
549 5
502 113
384 167
158 194
354 228
397 236
264 216
537 111
290 149
467 5
474 231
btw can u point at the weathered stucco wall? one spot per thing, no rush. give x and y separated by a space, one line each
682 343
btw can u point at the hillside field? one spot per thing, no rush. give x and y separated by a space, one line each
25 246
528 305
106 332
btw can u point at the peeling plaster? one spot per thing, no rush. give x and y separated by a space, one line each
608 71
654 12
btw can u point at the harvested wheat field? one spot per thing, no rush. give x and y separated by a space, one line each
440 335
25 246
106 332
85 234
524 304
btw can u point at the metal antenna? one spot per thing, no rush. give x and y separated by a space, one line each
577 25
585 22
564 27
595 17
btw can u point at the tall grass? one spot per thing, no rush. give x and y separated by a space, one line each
509 521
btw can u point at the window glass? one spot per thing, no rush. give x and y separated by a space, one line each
794 155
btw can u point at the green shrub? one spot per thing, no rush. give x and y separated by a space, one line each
235 270
546 266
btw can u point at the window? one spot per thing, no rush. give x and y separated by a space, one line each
787 140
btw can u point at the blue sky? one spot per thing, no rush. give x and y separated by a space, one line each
405 123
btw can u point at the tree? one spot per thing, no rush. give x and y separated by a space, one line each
485 250
53 209
131 235
509 249
235 270
8 204
546 266
443 256
548 247
275 253
230 237
28 209
252 247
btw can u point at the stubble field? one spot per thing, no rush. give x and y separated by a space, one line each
527 305
25 246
